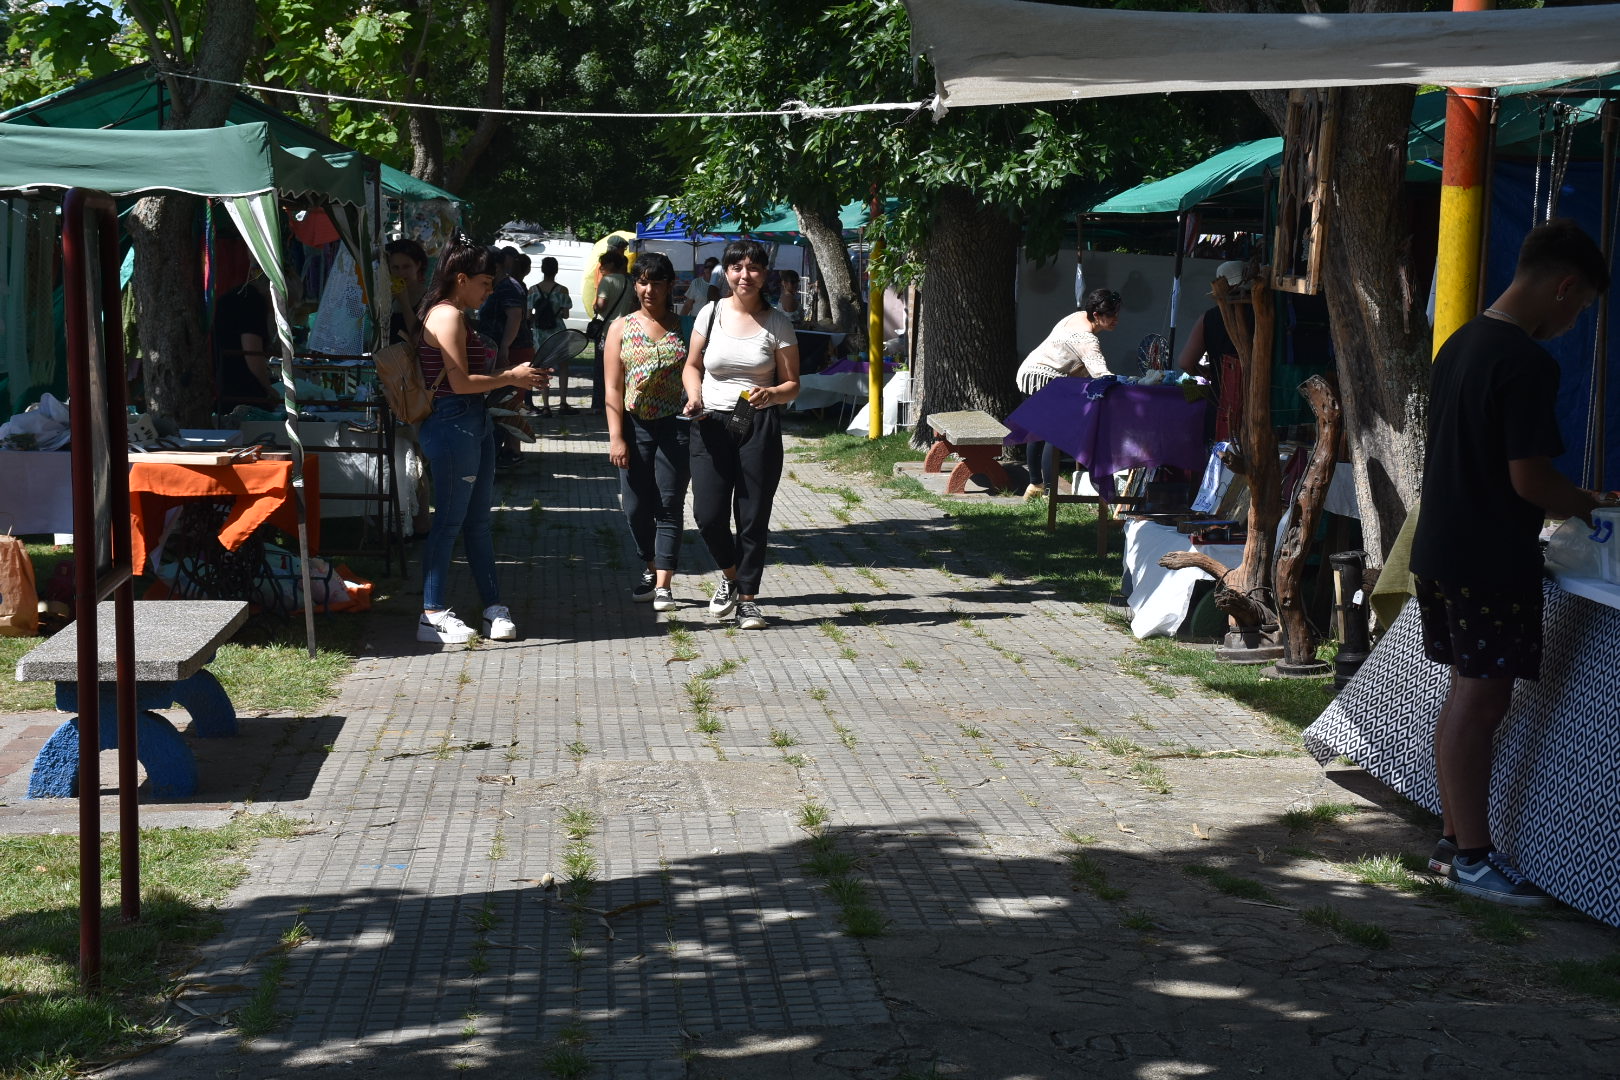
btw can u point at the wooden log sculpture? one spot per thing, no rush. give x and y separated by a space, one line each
1298 642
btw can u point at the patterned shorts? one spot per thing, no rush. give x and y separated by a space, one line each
1481 632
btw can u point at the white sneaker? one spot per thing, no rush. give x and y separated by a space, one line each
664 599
498 624
724 600
443 628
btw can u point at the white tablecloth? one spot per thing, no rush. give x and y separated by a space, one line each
1160 597
36 495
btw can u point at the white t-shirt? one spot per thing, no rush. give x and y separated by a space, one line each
734 365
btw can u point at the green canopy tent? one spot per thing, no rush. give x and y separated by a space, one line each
242 166
137 99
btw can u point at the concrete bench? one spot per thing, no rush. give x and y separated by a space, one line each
175 640
976 439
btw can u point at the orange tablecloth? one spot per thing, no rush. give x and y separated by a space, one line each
261 492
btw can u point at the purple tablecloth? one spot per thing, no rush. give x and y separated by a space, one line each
1115 426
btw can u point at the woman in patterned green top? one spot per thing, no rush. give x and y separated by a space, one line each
642 357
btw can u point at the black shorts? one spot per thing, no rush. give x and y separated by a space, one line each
1480 631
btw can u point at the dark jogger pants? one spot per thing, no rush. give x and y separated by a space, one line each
653 488
734 482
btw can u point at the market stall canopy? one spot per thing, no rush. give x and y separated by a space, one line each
993 52
134 99
230 162
1184 190
674 227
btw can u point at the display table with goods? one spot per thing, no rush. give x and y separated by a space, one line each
260 492
1555 789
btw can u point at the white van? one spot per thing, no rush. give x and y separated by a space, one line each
572 256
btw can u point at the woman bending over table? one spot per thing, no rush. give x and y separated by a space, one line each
743 364
458 440
1071 349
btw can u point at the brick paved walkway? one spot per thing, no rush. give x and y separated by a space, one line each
962 734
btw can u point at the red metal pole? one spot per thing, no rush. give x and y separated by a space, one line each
1462 201
75 311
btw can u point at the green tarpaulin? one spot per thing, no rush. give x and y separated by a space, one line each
1525 124
1186 189
229 162
135 100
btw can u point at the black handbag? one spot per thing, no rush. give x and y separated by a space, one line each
593 329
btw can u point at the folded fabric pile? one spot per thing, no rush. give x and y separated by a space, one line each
41 426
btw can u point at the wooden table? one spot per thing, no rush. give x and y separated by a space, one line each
261 492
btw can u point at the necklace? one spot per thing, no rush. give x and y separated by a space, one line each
1504 316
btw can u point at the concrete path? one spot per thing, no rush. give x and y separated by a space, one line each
987 772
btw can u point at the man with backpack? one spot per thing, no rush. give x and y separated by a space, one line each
549 306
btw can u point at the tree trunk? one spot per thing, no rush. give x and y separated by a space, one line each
966 353
427 147
826 238
1375 304
489 122
1380 330
168 273
178 361
1298 641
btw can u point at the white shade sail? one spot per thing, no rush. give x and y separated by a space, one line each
993 52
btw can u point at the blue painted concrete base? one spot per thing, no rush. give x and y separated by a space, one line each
170 767
171 770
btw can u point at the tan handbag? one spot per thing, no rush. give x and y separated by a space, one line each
400 375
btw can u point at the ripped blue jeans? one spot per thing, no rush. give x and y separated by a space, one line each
458 441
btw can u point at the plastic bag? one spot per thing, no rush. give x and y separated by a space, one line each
1572 551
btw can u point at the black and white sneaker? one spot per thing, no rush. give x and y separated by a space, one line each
749 617
644 590
1440 859
724 600
664 600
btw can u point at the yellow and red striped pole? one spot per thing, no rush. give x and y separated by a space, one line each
1462 201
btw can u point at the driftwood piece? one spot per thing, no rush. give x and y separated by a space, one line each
1299 644
1244 590
1234 603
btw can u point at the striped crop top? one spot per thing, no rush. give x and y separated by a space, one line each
432 361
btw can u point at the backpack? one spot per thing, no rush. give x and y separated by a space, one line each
400 375
545 312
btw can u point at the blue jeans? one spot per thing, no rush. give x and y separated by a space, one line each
458 440
653 488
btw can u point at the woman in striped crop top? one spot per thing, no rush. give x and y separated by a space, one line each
458 440
648 438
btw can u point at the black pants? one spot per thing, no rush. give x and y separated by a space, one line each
736 479
653 487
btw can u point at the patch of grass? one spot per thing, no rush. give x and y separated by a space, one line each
970 731
1150 776
798 761
911 664
1388 870
260 1015
1292 703
812 815
1138 920
1492 922
848 653
578 823
577 749
565 1062
683 644
872 578
783 738
833 631
1318 815
1367 935
48 1026
1231 884
724 667
818 693
1089 874
1592 978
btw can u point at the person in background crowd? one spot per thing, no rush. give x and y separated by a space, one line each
243 331
1209 353
698 291
549 308
1071 349
458 439
788 301
743 364
615 297
407 273
503 319
643 359
719 287
407 279
1493 434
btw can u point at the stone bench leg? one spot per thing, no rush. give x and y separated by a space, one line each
980 460
212 714
170 768
935 461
